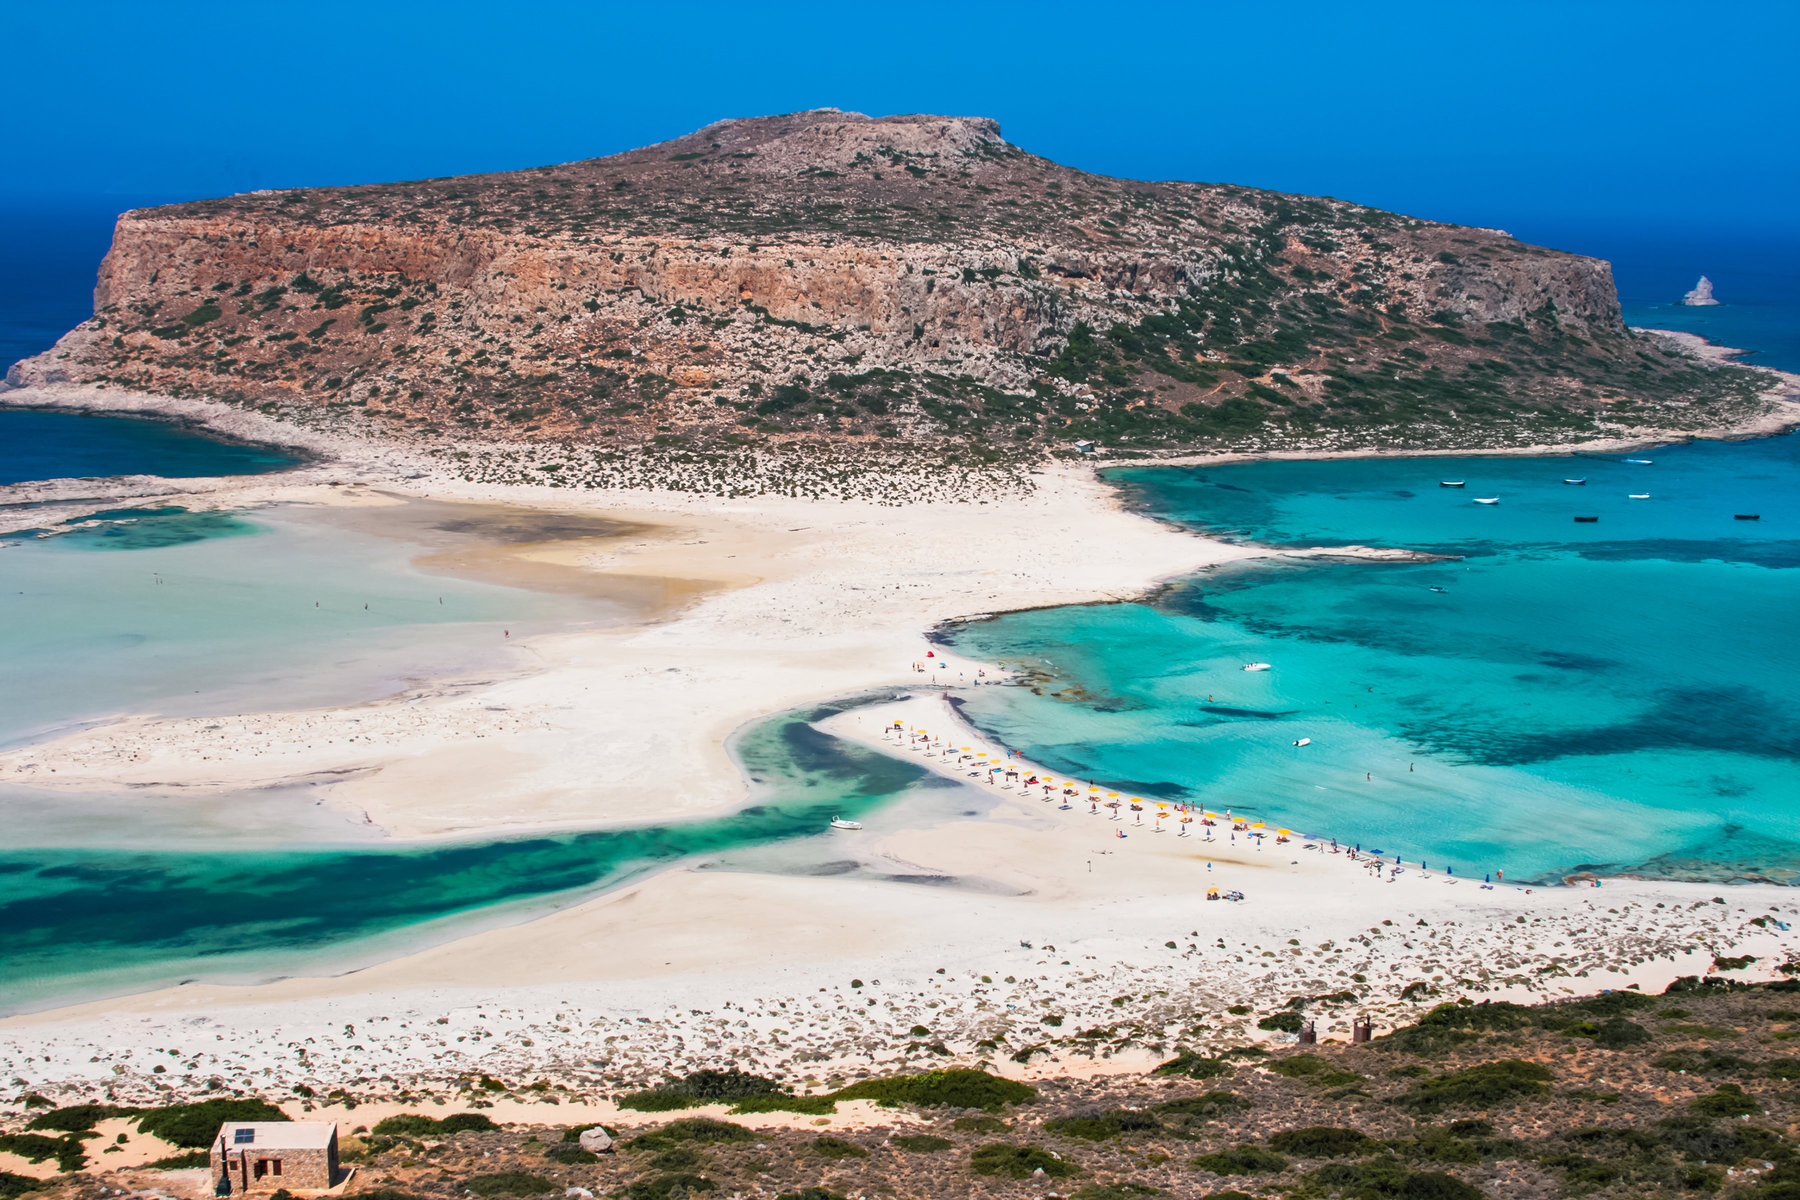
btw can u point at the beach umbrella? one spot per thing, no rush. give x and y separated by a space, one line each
1259 825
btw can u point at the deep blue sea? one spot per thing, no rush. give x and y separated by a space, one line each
1619 695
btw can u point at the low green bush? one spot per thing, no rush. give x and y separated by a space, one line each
420 1125
1727 1100
704 1130
1100 1126
1194 1066
510 1183
949 1088
837 1147
1282 1022
193 1126
1244 1160
812 1106
36 1147
657 1100
17 1185
1019 1162
1113 1191
78 1118
182 1162
1209 1104
1323 1141
662 1187
1385 1177
1505 1081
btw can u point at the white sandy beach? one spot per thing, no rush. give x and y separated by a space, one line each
1050 931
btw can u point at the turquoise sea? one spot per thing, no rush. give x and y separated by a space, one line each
1621 696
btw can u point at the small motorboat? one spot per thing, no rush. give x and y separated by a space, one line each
1304 742
1453 483
1746 516
1442 591
841 823
1256 666
1488 500
1637 495
1576 482
1641 462
1586 520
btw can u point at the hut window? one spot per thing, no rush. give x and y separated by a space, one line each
243 1137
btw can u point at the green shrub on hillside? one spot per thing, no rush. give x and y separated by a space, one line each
951 1088
1194 1066
704 1130
195 1125
1099 1126
1244 1160
1019 1162
419 1125
1480 1086
510 1183
1323 1141
78 1118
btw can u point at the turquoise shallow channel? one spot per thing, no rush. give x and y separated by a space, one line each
95 921
1621 695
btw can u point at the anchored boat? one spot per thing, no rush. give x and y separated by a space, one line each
1256 666
840 823
1453 483
1488 500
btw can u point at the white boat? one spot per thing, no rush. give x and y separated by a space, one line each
1637 495
1576 482
1256 666
1452 483
1642 462
840 823
1488 500
1304 742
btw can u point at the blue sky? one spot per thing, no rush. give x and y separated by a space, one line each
1647 115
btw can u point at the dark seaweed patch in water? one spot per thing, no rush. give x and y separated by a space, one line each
1783 555
1732 854
1249 713
1730 719
1562 660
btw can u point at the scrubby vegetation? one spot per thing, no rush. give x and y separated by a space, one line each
1492 1100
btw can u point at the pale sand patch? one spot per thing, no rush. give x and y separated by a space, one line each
775 603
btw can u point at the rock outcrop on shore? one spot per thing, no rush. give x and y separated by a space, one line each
900 283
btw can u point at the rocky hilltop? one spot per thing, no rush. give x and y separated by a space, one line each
901 284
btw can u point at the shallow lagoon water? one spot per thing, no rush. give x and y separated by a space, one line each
1618 696
94 921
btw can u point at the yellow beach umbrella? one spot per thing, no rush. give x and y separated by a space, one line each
1259 825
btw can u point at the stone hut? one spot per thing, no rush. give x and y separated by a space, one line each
261 1156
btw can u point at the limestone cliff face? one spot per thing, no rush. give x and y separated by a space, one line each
830 275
